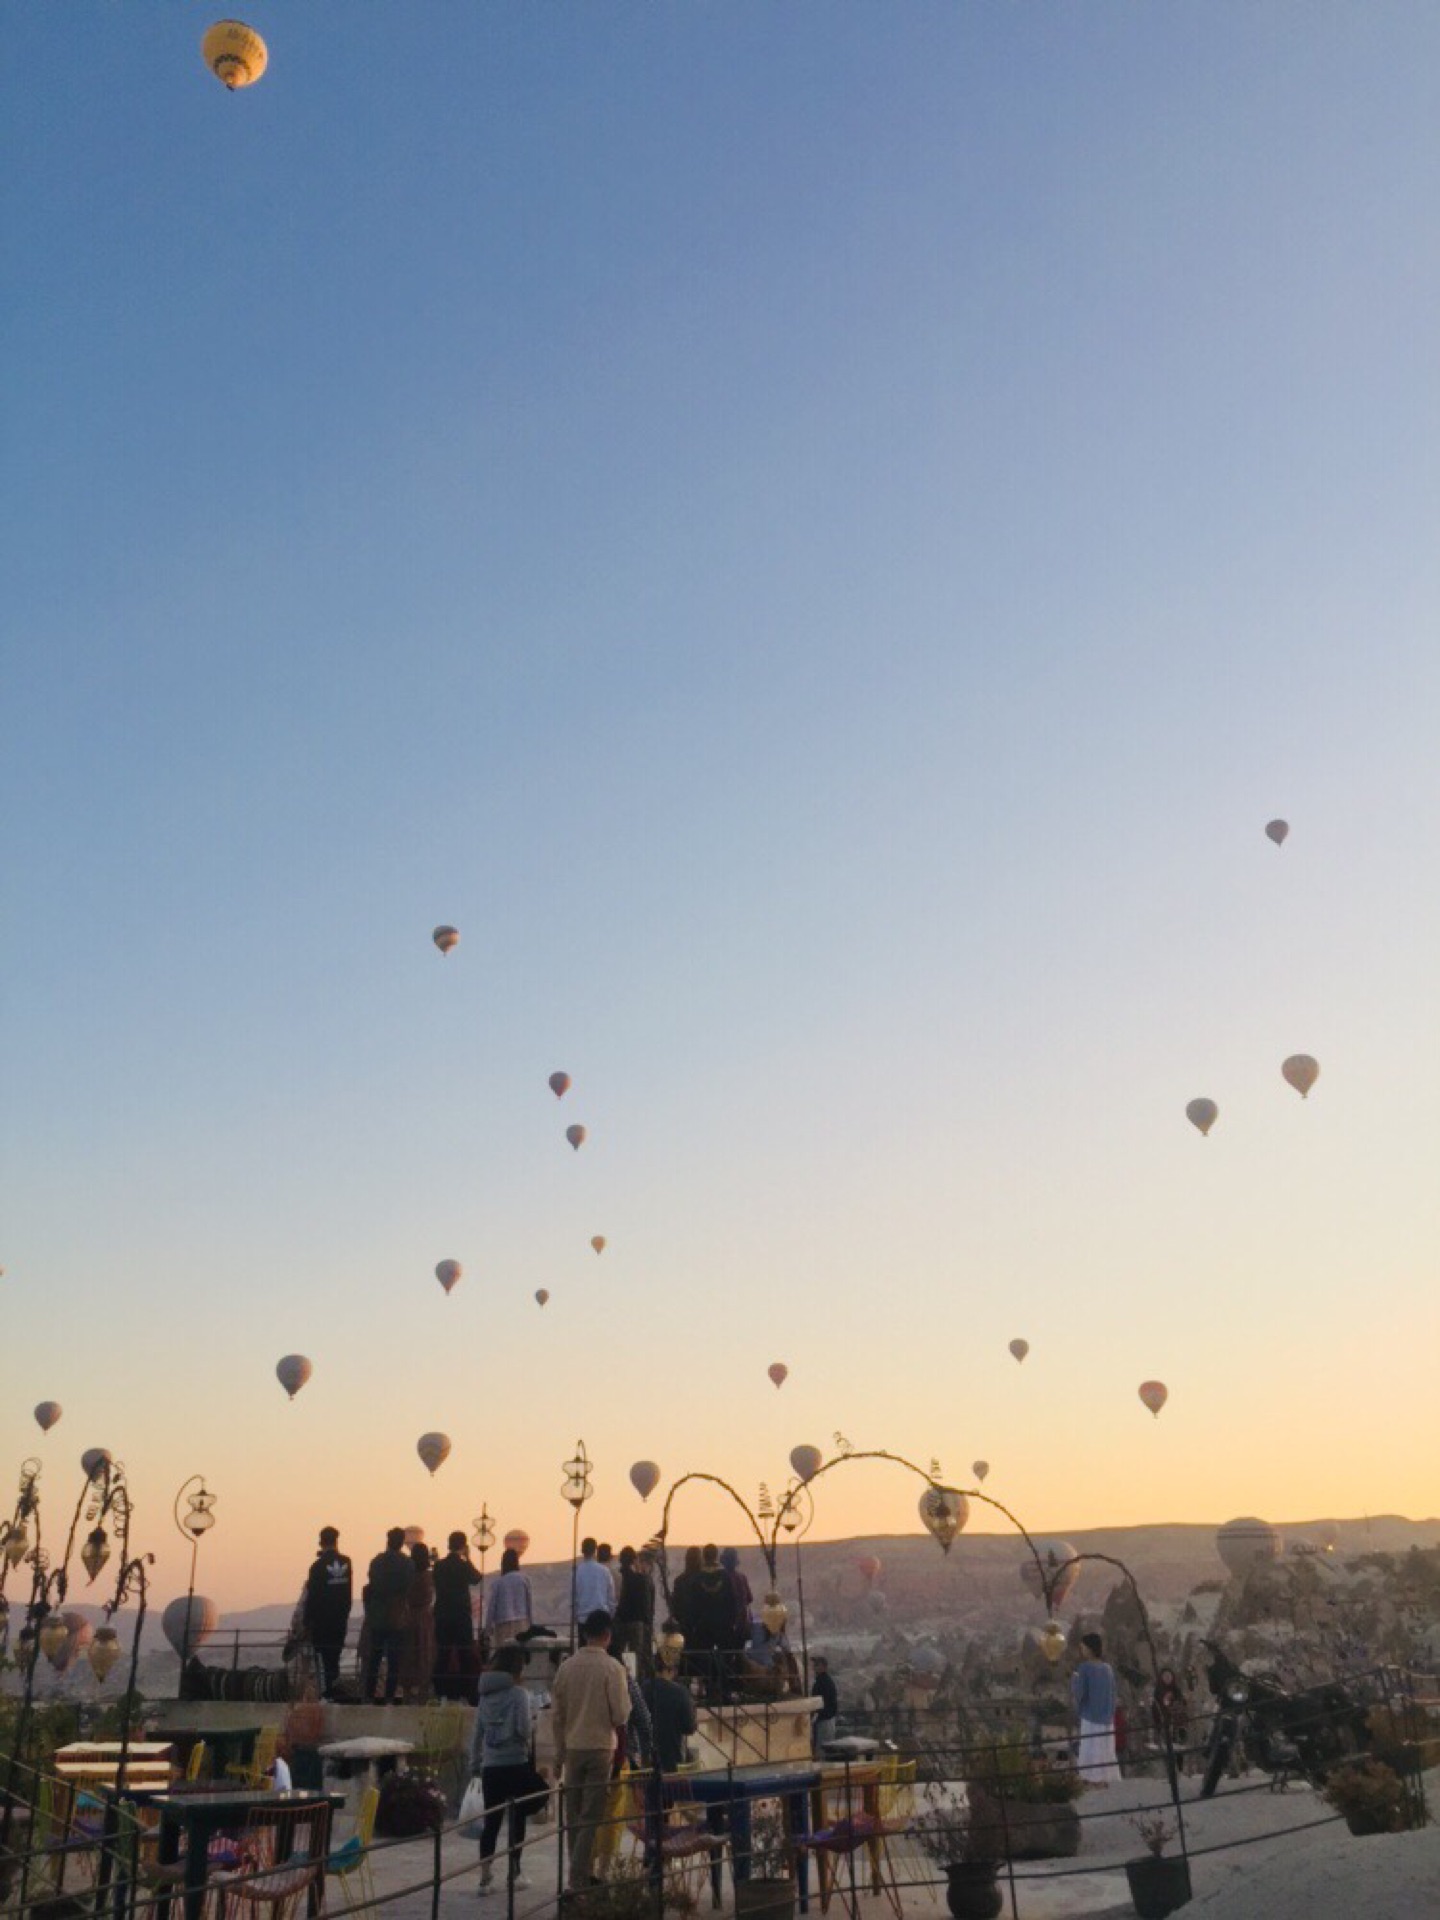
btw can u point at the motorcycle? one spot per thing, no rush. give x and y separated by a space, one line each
1282 1733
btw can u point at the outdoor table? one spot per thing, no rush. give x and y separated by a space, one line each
851 1746
368 1755
95 1764
198 1817
726 1794
224 1746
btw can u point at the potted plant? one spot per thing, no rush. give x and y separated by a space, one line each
972 1891
1157 1885
1021 1807
767 1892
1370 1795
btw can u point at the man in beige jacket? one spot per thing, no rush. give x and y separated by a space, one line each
591 1704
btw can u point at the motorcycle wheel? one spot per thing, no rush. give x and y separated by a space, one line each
1215 1766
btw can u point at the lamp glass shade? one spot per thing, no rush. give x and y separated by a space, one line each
53 1635
774 1613
200 1521
94 1553
16 1545
103 1651
1052 1641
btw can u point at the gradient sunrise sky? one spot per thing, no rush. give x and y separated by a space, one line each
818 537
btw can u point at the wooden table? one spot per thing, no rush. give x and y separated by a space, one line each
96 1764
726 1794
198 1817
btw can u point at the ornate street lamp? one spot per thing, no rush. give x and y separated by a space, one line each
192 1525
483 1540
576 1489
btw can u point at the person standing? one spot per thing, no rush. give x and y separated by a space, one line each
635 1613
744 1597
1092 1689
509 1608
591 1706
386 1592
672 1715
605 1555
591 1588
329 1595
454 1577
500 1755
419 1655
823 1686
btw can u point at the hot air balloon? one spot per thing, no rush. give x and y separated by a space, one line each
204 1617
778 1372
292 1372
446 939
448 1272
1019 1348
806 1461
944 1511
94 1461
597 1241
1302 1071
47 1413
1202 1114
542 1294
576 1137
1154 1393
644 1477
433 1449
559 1085
234 53
1277 830
76 1638
869 1565
1061 1568
1246 1544
518 1541
980 1468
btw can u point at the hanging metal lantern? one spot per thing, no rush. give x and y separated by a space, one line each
104 1651
672 1645
95 1552
53 1635
944 1511
774 1613
17 1544
1052 1640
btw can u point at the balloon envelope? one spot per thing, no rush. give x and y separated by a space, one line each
806 1461
1154 1393
559 1085
292 1372
433 1449
93 1462
47 1413
77 1638
576 1137
1247 1543
204 1618
1019 1348
644 1477
1202 1114
980 1468
448 1272
542 1294
1277 830
1302 1070
869 1565
778 1372
445 938
517 1540
234 53
598 1242
1061 1568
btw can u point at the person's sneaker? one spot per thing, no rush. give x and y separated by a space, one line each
520 1883
487 1882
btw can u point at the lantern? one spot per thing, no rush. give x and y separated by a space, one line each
104 1651
774 1613
53 1635
94 1553
944 1511
1052 1641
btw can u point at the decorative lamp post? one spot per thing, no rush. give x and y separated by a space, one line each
483 1540
192 1525
577 1490
797 1516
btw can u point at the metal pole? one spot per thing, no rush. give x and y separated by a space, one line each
800 1601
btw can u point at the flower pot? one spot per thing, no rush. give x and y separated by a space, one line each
765 1899
1023 1829
1158 1886
971 1890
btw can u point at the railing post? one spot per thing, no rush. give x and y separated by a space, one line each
435 1878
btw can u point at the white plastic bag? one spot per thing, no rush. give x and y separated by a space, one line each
471 1816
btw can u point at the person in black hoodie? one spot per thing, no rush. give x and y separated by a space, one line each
329 1593
454 1577
635 1614
712 1602
386 1593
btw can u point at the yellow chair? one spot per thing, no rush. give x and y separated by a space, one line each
255 1772
350 1864
195 1765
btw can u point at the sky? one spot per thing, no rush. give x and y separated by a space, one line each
817 537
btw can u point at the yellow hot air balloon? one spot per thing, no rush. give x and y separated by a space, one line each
292 1372
1202 1114
234 53
1019 1348
1302 1071
576 1136
46 1414
1154 1393
542 1294
644 1477
806 1461
778 1372
433 1449
446 939
448 1272
1277 830
598 1242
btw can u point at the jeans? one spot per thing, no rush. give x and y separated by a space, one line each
587 1792
327 1658
385 1644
